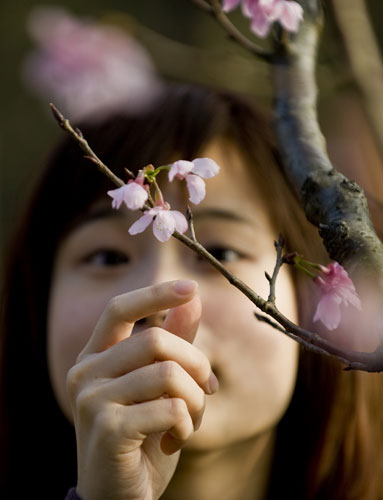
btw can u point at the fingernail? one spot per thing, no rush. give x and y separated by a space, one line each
212 384
184 287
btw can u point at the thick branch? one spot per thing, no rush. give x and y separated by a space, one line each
334 204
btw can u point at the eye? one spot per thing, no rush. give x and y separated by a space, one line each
105 257
224 254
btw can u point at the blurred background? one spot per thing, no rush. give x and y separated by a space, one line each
186 44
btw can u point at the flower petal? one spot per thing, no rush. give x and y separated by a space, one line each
180 220
205 167
260 23
328 311
180 169
164 225
141 224
135 196
248 6
272 9
229 5
117 196
196 187
290 16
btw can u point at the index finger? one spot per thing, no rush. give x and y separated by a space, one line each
118 318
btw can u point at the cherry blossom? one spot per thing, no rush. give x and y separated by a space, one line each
194 172
165 222
337 289
263 13
133 194
87 68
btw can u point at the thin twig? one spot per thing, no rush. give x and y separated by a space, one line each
189 216
79 138
279 248
213 7
202 4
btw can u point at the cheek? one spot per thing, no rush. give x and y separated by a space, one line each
70 324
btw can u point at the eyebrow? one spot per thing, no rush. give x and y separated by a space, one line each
224 214
216 213
97 214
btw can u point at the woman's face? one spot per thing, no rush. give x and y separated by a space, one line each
255 364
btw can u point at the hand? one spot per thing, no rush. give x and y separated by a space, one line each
137 399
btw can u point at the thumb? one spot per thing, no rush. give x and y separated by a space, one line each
183 320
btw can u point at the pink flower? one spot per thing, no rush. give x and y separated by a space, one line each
228 5
133 194
87 68
264 13
166 221
193 172
337 289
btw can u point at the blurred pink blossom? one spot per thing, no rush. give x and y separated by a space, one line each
166 221
263 13
193 172
337 289
87 68
132 194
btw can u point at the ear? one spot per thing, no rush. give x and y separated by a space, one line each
183 320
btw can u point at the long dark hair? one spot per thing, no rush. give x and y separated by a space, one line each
328 441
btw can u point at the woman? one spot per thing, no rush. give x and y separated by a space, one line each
79 288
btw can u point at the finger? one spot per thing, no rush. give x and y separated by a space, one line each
170 444
117 320
153 382
183 320
162 415
135 352
154 344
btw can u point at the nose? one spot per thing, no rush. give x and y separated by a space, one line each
164 262
160 263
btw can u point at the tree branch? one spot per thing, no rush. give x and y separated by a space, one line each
81 141
213 7
336 205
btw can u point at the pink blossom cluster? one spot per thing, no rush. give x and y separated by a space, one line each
337 289
87 68
263 13
135 194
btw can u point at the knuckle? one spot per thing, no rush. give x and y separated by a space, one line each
168 370
107 422
155 292
178 409
73 381
85 402
113 307
153 340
